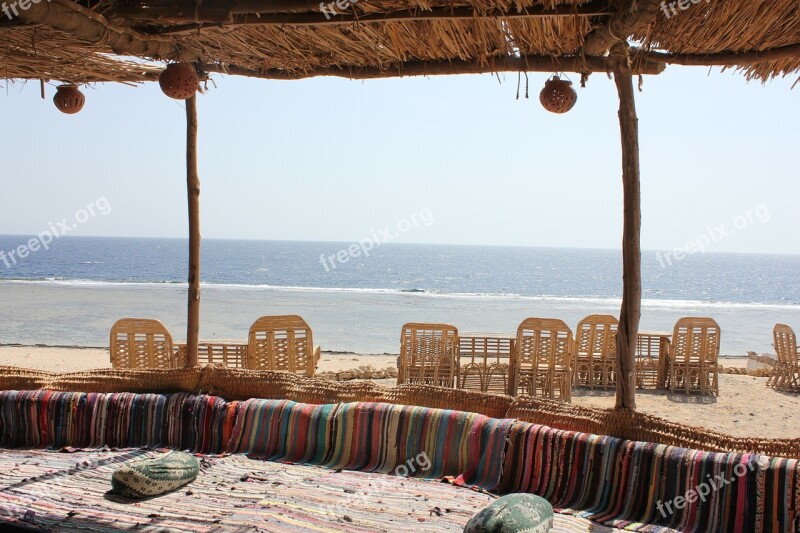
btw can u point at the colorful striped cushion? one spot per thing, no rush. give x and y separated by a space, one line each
151 477
513 513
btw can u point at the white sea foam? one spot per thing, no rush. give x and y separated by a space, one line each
569 301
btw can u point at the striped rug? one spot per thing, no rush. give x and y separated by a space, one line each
53 491
636 485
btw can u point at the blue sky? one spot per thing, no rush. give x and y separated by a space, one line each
333 159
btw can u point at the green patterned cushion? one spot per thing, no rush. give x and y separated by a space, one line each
151 477
514 513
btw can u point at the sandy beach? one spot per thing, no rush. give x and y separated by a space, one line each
746 407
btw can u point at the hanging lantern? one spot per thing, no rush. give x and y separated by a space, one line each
179 81
558 96
69 99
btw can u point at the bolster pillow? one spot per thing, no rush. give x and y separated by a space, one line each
151 477
514 513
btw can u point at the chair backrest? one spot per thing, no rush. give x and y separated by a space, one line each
785 344
141 343
281 343
544 343
695 339
428 347
595 337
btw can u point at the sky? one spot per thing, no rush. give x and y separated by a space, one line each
442 160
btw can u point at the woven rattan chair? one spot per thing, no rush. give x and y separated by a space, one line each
595 352
786 372
142 343
484 362
282 344
543 359
649 347
693 354
428 354
219 354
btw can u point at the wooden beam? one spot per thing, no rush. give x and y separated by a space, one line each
193 195
210 10
92 27
726 59
632 16
436 68
188 21
630 312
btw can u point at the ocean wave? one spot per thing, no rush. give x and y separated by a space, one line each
591 302
89 282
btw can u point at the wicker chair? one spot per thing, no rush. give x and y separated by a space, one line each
650 374
283 344
595 352
428 354
219 354
142 343
485 363
786 372
543 359
693 353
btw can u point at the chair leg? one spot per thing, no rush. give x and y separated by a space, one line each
590 375
568 385
686 379
672 376
780 378
611 376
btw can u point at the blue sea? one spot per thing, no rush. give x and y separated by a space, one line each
71 293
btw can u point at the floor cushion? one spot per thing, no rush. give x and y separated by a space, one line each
151 477
513 513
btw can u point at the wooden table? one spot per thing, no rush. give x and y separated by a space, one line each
652 359
486 362
230 354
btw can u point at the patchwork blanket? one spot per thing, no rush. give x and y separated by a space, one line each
635 485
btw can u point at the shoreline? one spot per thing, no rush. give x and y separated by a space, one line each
328 352
62 315
79 347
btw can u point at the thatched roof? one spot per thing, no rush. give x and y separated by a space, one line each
98 40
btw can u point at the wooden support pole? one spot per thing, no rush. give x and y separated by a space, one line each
435 68
193 193
631 248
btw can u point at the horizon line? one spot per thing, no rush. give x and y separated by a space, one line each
475 245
